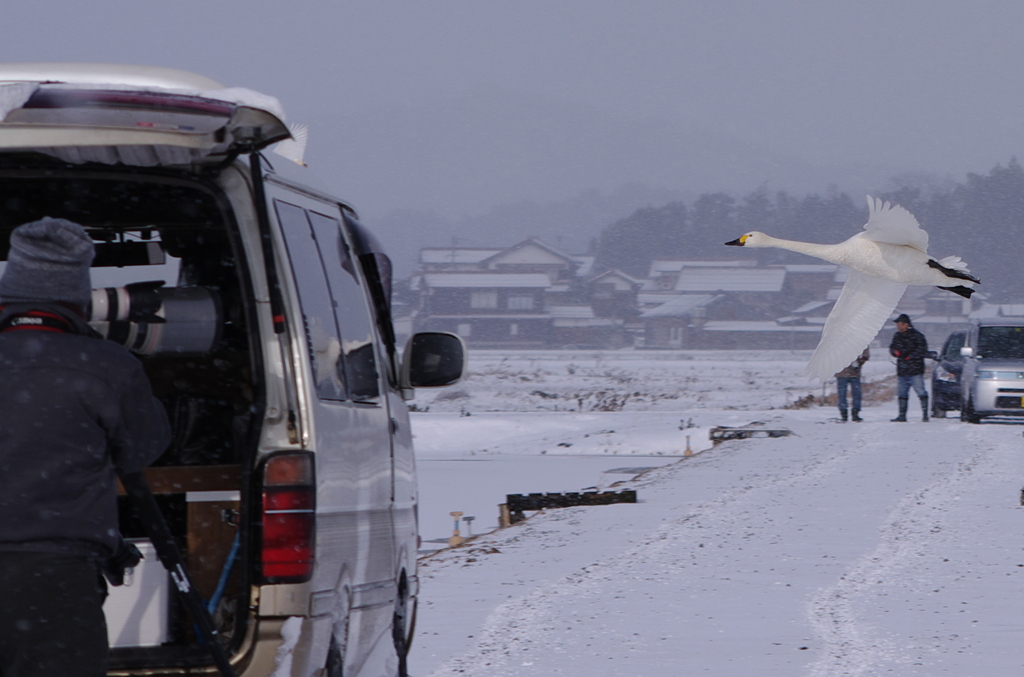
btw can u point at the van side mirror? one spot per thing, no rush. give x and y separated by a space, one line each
433 359
967 351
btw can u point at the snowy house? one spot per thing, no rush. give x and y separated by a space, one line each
526 295
495 309
532 256
614 294
673 323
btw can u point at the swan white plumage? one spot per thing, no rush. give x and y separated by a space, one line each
887 256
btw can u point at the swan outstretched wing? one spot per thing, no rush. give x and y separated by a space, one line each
892 224
862 309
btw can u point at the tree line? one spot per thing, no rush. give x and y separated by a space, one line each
980 219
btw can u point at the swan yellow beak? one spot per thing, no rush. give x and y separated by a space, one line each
738 242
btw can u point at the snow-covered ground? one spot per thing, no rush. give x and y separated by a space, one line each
844 549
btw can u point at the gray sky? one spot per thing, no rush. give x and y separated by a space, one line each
456 106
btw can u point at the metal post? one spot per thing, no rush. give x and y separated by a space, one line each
455 539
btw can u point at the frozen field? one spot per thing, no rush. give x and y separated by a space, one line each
844 549
668 381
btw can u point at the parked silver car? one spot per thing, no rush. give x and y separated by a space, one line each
993 372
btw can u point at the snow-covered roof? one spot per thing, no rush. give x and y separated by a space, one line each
584 322
790 320
731 279
528 251
680 305
619 274
488 280
513 317
824 268
659 266
585 265
745 325
455 254
941 319
653 298
812 306
571 311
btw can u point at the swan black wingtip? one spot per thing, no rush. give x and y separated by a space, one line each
960 290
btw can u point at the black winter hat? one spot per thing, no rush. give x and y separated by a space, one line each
49 261
904 318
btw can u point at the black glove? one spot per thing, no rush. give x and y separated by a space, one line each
125 557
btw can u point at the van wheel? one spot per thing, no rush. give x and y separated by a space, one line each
400 626
335 666
335 661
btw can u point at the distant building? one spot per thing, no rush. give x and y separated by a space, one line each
527 295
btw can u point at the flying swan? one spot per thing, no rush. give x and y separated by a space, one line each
890 254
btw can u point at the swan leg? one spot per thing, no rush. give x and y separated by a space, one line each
949 272
960 290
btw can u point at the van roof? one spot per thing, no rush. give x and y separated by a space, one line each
135 115
97 73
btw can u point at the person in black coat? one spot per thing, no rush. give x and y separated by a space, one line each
909 347
74 410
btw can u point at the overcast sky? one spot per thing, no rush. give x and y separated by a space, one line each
456 106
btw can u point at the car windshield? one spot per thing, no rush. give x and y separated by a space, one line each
953 346
1001 342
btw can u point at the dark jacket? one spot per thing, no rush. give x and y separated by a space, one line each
853 371
72 408
909 348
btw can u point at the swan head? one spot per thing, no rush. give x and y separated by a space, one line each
752 239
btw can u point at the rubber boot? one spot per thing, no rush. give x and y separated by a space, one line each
856 416
924 408
902 418
842 415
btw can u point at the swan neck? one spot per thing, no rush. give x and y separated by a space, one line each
820 251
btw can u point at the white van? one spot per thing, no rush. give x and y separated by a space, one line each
260 308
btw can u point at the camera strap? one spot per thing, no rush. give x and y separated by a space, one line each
36 320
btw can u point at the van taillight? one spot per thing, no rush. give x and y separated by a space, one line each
288 519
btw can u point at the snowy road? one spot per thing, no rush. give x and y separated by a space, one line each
856 549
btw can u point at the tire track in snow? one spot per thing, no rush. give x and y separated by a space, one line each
524 625
853 648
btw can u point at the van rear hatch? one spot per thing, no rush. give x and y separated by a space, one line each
131 115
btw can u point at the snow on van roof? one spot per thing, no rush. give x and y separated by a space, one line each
97 73
143 78
131 114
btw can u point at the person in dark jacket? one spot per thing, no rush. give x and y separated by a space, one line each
909 347
850 378
74 410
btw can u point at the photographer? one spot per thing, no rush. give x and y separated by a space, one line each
74 411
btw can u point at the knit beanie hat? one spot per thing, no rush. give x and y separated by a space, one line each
49 261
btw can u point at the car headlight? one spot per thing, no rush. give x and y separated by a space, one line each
986 374
943 374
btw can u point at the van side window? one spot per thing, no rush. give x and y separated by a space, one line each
322 336
351 309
